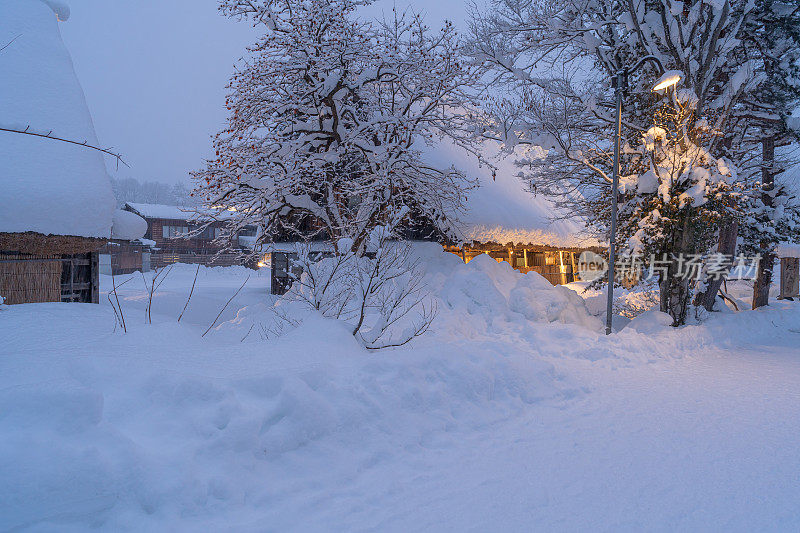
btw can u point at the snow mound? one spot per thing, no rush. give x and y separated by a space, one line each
495 292
48 186
649 322
120 429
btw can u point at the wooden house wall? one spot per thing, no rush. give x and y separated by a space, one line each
556 265
197 245
28 278
126 256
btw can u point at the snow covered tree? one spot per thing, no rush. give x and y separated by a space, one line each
773 36
673 206
554 60
327 118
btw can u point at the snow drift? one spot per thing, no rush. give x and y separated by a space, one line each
484 295
493 420
135 432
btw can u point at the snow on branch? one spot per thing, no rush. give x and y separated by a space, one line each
49 135
328 119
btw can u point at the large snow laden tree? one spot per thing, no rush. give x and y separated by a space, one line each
554 60
327 118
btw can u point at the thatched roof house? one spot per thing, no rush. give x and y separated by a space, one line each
56 206
505 220
502 218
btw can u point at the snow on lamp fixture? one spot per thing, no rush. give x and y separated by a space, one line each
668 79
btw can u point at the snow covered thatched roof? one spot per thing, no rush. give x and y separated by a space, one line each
501 209
46 186
175 212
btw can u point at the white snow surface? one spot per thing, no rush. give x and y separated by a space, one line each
128 226
46 186
514 413
501 209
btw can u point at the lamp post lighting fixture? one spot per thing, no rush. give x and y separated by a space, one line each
668 79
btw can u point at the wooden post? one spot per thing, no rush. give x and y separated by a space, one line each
525 256
790 278
95 266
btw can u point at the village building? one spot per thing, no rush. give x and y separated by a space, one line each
178 234
127 251
505 220
56 204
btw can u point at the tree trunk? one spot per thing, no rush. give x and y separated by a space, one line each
727 247
764 278
763 281
674 296
673 286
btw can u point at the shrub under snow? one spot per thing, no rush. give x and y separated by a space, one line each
421 285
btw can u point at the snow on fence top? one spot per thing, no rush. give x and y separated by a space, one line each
48 186
502 209
788 250
174 212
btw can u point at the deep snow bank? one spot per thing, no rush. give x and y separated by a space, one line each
161 425
161 429
483 296
495 291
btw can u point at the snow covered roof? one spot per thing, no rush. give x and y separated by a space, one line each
61 9
175 212
502 209
128 226
46 186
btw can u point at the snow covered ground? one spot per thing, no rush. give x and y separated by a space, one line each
514 413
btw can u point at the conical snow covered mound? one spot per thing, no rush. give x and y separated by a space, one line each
48 187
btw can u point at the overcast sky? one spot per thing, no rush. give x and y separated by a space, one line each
154 74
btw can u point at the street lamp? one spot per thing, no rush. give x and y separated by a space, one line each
620 80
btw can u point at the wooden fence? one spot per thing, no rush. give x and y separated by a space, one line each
164 259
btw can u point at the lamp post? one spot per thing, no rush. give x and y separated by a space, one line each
620 82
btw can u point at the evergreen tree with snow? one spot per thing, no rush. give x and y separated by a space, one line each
673 205
553 62
772 35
